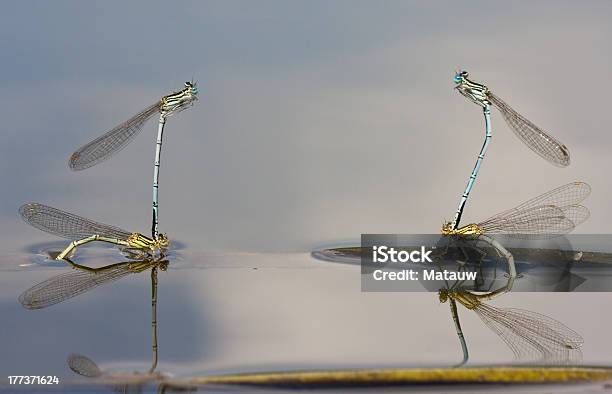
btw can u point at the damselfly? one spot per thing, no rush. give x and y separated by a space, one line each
535 138
82 231
556 212
117 138
531 336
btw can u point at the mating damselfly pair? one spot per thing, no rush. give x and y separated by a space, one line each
530 335
82 231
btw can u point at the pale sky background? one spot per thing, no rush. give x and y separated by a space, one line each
317 121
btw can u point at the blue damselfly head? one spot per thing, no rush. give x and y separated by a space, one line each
191 87
475 92
460 76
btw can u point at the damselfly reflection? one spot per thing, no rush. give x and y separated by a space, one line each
535 138
531 336
82 231
123 382
82 279
71 284
554 213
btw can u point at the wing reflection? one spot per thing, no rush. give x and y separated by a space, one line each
533 337
83 279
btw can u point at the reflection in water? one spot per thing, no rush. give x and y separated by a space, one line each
548 215
123 382
82 231
68 285
531 336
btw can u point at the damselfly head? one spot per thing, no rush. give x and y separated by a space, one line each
447 228
191 87
162 241
443 295
460 76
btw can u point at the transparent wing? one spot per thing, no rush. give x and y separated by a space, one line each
83 366
112 142
535 138
70 284
532 336
542 220
578 214
67 225
552 213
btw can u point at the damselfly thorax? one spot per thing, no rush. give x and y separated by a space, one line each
468 300
474 91
139 241
470 229
177 101
147 247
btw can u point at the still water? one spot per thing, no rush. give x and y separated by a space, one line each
247 312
